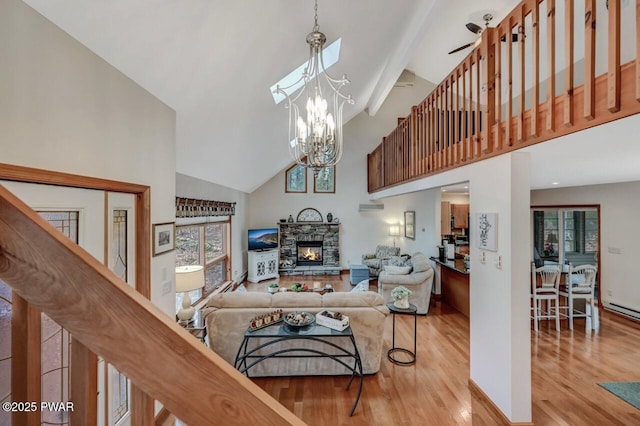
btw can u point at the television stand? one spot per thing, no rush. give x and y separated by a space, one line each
262 265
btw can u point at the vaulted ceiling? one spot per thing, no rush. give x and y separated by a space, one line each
213 62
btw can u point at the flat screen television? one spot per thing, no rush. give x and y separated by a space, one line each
263 239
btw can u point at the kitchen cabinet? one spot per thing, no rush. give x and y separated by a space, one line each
445 218
460 214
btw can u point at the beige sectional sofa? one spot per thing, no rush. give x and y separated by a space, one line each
227 317
419 280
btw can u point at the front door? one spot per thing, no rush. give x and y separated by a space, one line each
104 225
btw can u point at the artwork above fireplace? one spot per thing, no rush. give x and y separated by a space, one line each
309 253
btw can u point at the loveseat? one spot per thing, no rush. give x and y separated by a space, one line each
227 317
416 275
375 261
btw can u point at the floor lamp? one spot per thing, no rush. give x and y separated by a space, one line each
394 231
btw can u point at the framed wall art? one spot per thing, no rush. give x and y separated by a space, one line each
487 231
295 179
325 182
164 237
409 224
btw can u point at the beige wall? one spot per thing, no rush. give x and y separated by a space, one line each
63 108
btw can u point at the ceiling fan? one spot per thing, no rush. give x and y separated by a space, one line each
477 29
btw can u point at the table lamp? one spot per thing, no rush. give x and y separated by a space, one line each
394 231
188 278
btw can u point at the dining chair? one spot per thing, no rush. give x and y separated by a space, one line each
545 281
580 284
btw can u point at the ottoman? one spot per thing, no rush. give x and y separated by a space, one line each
358 273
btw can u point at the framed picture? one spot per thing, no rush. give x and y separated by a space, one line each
410 224
164 237
487 231
295 179
325 182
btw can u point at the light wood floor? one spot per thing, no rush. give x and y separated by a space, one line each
566 368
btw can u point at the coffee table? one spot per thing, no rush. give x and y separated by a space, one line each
279 332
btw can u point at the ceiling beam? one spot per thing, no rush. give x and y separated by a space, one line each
428 11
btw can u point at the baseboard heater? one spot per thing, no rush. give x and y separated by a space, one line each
624 310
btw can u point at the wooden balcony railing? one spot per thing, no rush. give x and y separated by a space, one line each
503 96
49 272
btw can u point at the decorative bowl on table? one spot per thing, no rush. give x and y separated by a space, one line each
299 319
273 288
299 287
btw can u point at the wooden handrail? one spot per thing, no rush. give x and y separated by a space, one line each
461 120
109 317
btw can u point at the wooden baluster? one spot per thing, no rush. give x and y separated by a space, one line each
520 23
568 57
440 128
638 50
471 114
551 64
613 74
463 124
476 141
488 90
508 134
26 336
535 63
589 59
498 83
457 140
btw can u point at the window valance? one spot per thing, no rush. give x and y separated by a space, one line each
190 207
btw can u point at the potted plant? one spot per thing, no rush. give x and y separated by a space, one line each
273 288
400 296
467 261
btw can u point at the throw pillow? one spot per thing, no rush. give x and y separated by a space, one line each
420 264
361 286
400 260
397 270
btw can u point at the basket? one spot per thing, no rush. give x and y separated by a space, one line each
332 323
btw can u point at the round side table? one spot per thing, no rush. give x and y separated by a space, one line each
411 310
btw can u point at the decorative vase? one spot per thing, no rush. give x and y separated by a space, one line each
402 303
329 217
290 220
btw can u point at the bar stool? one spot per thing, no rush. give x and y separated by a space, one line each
545 282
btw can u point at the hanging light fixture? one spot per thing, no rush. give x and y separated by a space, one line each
316 139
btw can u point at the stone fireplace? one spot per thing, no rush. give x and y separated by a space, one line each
309 253
309 248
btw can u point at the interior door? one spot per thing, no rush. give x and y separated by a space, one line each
105 227
78 214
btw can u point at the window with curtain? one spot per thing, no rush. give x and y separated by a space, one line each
205 244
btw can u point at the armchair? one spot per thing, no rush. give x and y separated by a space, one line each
375 261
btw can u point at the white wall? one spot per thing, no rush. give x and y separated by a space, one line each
190 187
619 207
360 232
63 108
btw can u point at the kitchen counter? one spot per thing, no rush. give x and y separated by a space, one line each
454 284
456 265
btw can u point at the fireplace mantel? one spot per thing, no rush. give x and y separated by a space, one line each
292 232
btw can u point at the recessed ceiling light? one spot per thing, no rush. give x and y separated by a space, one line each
444 190
466 187
555 183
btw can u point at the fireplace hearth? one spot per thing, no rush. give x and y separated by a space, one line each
309 253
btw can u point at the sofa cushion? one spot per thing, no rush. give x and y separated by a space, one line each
355 299
285 299
243 299
420 263
397 270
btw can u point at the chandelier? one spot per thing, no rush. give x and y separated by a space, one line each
316 138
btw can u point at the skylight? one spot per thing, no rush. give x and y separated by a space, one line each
330 55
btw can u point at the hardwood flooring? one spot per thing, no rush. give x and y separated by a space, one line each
566 368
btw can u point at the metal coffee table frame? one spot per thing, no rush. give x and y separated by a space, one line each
412 309
246 358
